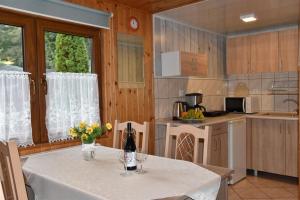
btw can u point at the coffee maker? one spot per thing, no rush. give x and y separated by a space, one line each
194 101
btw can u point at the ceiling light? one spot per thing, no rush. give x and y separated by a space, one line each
248 18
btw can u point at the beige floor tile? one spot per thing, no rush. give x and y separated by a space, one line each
277 192
250 193
285 199
293 190
266 183
232 195
243 184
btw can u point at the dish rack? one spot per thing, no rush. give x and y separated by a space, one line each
282 87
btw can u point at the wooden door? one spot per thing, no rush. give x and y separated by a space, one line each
268 145
291 154
238 55
264 52
288 50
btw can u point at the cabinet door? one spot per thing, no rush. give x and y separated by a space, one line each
264 52
223 150
291 143
193 64
268 145
238 55
288 50
214 152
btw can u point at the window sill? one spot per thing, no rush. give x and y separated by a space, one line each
23 151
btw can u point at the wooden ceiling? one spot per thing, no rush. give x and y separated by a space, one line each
223 16
155 6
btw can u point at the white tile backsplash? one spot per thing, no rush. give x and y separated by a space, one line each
260 86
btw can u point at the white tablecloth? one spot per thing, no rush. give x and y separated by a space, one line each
64 175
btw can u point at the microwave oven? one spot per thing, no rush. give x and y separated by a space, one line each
240 104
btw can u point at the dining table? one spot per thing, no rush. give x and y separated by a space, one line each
64 175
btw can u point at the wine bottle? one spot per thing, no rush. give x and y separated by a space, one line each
130 149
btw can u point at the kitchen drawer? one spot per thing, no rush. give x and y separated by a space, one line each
219 128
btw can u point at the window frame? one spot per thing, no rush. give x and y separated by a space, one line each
34 27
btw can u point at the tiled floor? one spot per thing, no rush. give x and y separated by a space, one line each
263 188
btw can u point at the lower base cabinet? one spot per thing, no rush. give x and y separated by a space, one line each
274 146
219 145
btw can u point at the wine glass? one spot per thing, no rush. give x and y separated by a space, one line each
122 159
141 156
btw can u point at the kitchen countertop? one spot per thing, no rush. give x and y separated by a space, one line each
230 117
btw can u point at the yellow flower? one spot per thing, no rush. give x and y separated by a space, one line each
95 125
108 126
82 125
72 132
89 130
84 137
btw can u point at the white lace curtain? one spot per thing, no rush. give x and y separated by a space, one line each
15 115
71 98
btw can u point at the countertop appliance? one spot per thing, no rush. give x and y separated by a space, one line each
194 101
240 105
237 149
178 108
215 113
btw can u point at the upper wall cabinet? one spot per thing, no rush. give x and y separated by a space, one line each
238 55
288 50
184 64
264 52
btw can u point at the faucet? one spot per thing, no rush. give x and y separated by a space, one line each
295 101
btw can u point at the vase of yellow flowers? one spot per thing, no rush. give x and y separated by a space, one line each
88 134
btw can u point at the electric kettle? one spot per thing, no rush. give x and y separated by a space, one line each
178 108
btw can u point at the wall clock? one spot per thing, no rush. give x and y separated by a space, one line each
134 23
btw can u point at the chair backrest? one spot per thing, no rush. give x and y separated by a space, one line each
11 176
119 130
187 142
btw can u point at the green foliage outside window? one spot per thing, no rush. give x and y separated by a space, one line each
70 54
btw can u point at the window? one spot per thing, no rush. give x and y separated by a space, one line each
11 48
130 60
41 46
68 53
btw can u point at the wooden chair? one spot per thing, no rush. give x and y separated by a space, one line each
187 142
139 129
11 176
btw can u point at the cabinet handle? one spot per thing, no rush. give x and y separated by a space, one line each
44 84
32 83
219 144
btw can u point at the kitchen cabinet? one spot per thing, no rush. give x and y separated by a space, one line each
291 144
219 145
179 63
274 146
288 50
268 144
238 55
264 52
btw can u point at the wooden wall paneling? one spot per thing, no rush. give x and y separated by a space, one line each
201 42
187 39
221 57
157 44
169 33
194 41
190 40
176 36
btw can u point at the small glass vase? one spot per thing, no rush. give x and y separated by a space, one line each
88 151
